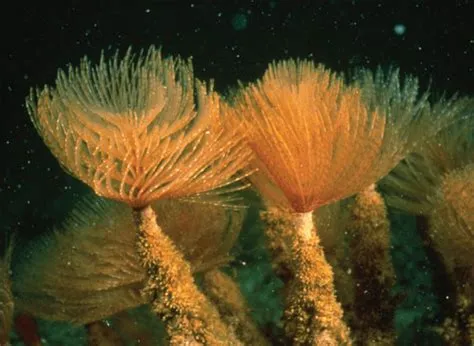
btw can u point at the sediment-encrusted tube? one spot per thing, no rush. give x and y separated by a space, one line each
189 318
313 316
372 270
225 293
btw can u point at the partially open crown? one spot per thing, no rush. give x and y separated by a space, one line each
137 129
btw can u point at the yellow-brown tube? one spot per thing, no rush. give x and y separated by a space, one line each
372 270
312 316
190 318
225 293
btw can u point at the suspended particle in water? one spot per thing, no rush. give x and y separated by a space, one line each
399 29
240 21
